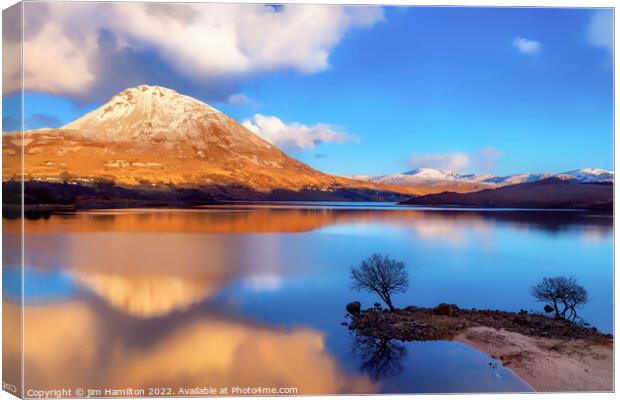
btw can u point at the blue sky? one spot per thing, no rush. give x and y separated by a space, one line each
496 90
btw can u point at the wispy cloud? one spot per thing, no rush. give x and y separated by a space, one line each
489 153
484 159
450 161
526 46
238 99
294 136
600 29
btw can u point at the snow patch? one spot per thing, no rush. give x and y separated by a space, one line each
430 176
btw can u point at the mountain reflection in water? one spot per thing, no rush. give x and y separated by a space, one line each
147 269
274 218
70 343
254 294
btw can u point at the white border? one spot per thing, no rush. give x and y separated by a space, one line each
477 3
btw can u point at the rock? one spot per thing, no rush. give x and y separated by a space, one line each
446 309
419 323
354 308
548 308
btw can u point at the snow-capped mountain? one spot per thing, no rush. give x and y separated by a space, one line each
518 178
145 112
423 176
151 136
585 175
434 177
589 175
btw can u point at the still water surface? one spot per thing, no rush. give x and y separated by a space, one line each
254 295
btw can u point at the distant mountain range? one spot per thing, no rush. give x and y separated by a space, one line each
586 188
448 180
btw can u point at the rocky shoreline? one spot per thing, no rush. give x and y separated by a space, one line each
446 321
549 354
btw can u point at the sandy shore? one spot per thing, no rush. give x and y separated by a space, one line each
549 354
547 364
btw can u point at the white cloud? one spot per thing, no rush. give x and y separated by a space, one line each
526 46
11 49
452 162
67 44
490 152
293 136
238 99
484 159
600 29
53 64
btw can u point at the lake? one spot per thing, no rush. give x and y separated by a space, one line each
254 295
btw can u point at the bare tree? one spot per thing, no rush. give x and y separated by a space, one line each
563 295
381 275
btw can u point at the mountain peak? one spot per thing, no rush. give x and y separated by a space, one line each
145 92
592 171
431 172
588 175
150 93
144 111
